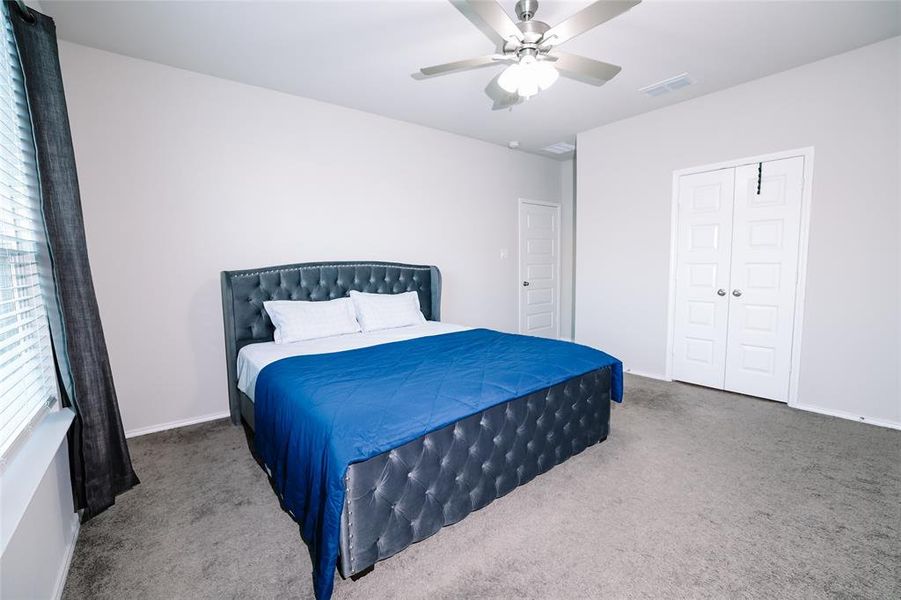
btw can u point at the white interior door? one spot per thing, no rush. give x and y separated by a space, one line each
539 269
704 238
765 247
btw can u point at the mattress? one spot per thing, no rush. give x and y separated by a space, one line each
254 357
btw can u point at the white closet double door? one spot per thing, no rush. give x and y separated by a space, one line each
737 250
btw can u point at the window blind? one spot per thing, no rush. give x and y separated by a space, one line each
27 373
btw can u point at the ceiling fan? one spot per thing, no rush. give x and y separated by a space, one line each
529 48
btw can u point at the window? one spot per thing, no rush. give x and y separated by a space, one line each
27 373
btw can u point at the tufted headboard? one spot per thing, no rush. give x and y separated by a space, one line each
243 294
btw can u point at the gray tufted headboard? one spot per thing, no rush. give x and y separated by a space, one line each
243 294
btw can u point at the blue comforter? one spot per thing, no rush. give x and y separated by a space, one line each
317 414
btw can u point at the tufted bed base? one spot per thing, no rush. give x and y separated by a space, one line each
405 495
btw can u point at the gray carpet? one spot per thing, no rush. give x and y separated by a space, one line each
696 494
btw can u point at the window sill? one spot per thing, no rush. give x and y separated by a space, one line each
26 468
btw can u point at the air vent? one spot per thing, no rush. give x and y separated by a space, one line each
559 148
667 85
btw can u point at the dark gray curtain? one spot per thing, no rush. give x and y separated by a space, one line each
98 455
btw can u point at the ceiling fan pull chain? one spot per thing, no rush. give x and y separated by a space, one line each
759 176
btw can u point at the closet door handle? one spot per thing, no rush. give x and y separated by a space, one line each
736 293
721 292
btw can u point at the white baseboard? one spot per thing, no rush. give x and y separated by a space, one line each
67 561
849 416
806 407
646 375
175 424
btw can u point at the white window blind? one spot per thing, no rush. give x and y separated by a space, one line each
27 374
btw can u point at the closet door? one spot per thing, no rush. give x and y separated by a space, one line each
764 273
704 238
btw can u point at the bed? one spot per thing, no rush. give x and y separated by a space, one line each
431 465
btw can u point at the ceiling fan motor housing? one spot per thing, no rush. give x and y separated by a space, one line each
531 32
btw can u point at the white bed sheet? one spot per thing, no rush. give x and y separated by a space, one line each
253 357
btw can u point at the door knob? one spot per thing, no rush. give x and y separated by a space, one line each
736 293
721 292
525 284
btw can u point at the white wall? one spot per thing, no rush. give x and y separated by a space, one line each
184 175
40 525
847 107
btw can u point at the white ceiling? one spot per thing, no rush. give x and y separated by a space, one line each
361 54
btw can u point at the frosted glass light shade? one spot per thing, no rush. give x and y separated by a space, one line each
528 87
509 79
545 74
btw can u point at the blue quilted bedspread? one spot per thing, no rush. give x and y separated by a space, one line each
317 414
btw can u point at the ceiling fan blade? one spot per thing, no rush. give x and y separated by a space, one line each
461 65
490 18
589 17
586 70
501 98
509 101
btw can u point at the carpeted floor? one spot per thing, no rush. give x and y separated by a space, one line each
696 494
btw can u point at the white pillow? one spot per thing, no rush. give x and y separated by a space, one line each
386 311
297 320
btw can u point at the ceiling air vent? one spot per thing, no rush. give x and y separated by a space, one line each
667 85
559 148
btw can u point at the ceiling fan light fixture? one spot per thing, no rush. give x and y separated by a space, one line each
528 77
